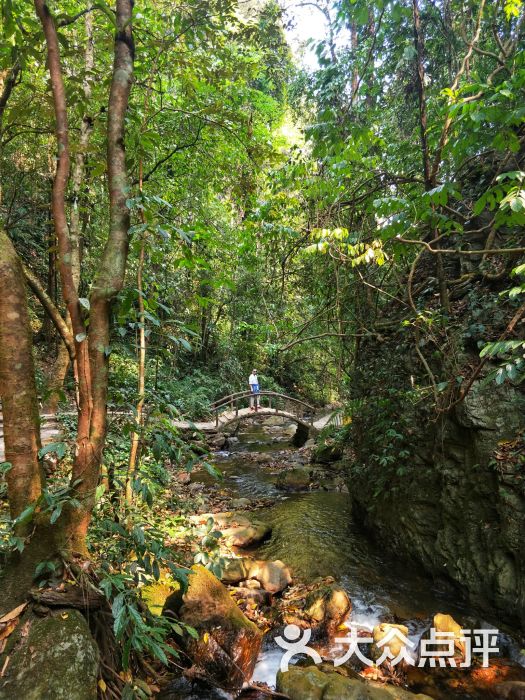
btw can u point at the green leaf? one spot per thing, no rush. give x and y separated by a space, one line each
56 514
59 448
26 515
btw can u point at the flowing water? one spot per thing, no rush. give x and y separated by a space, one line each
314 534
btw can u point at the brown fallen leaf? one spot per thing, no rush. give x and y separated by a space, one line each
16 612
9 627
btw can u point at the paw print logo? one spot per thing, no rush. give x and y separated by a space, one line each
295 641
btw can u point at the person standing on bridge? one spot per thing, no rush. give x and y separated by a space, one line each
253 381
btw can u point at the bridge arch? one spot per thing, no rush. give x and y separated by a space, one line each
233 409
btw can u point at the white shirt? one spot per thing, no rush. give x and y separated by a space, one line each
253 379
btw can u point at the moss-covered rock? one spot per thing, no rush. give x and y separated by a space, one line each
57 660
297 479
156 594
229 643
310 683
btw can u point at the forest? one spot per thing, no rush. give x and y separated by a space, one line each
262 349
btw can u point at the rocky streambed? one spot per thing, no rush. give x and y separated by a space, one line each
291 555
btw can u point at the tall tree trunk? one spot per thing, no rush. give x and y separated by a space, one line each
92 352
110 278
25 479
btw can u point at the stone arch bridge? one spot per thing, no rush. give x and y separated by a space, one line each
232 409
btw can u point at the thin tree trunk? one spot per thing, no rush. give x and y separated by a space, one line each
135 438
61 365
354 44
8 80
58 209
56 379
47 326
25 478
420 76
429 178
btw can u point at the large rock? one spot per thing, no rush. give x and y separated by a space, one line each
327 607
228 644
156 594
57 660
274 576
327 452
321 606
458 509
238 529
310 683
296 479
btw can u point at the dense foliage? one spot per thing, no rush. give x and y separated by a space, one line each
284 218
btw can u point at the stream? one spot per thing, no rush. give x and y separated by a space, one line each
313 533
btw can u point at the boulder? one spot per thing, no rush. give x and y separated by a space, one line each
238 529
156 594
57 659
228 644
296 479
310 683
274 576
236 570
216 442
327 607
322 607
327 452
